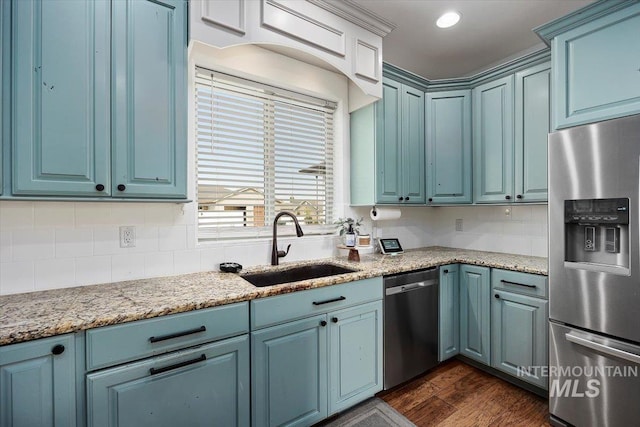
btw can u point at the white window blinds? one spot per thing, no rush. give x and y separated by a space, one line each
261 150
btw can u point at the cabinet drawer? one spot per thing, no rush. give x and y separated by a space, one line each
522 283
283 308
117 344
204 385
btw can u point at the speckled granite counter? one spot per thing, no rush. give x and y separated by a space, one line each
35 315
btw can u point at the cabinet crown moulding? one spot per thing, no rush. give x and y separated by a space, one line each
354 13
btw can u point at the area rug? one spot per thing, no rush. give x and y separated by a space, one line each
372 413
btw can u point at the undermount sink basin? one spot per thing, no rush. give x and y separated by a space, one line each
295 274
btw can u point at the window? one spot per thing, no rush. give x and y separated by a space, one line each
261 150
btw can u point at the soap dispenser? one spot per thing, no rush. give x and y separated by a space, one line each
350 237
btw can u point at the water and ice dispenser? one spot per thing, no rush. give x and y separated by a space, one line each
597 232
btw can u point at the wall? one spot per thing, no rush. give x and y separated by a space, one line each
46 245
522 231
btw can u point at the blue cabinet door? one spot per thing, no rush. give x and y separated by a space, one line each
199 386
60 97
519 331
449 312
532 126
355 360
389 143
448 123
5 46
596 69
475 288
289 373
37 383
413 146
493 141
149 98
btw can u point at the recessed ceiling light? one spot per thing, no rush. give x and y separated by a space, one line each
447 20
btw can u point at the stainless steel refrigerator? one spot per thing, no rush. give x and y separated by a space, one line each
594 274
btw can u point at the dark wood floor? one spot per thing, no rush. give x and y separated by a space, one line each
456 394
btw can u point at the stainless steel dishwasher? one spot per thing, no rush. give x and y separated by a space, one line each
410 325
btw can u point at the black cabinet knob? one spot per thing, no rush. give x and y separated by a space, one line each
400 198
445 271
334 319
507 197
57 349
497 296
519 196
323 323
122 187
100 187
430 199
406 198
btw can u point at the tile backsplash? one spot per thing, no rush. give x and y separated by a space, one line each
46 245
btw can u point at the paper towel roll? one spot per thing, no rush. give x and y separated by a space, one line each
383 214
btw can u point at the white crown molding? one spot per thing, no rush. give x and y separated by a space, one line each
353 12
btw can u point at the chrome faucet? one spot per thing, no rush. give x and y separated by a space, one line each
275 253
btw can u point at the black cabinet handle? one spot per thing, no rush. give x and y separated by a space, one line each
57 349
323 323
178 334
517 284
497 296
400 198
406 198
334 319
431 199
329 301
121 187
519 196
445 271
100 187
507 197
154 371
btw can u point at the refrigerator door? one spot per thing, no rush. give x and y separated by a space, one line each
594 380
598 161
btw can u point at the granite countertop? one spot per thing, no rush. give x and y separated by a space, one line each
34 315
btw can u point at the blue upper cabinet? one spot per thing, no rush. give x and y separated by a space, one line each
104 115
532 126
596 68
60 97
448 128
493 141
149 98
389 143
396 124
38 384
413 146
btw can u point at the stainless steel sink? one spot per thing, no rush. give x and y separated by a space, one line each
295 274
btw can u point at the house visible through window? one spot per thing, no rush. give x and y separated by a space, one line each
261 150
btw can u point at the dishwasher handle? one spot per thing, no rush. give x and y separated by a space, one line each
410 287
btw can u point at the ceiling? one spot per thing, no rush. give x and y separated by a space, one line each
489 32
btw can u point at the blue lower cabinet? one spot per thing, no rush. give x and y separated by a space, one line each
205 385
289 373
449 312
519 331
37 383
475 332
355 359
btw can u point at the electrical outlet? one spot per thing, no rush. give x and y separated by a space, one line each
459 225
127 237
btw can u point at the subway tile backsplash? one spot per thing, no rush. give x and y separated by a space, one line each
47 245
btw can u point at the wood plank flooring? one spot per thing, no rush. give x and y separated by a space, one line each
456 394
